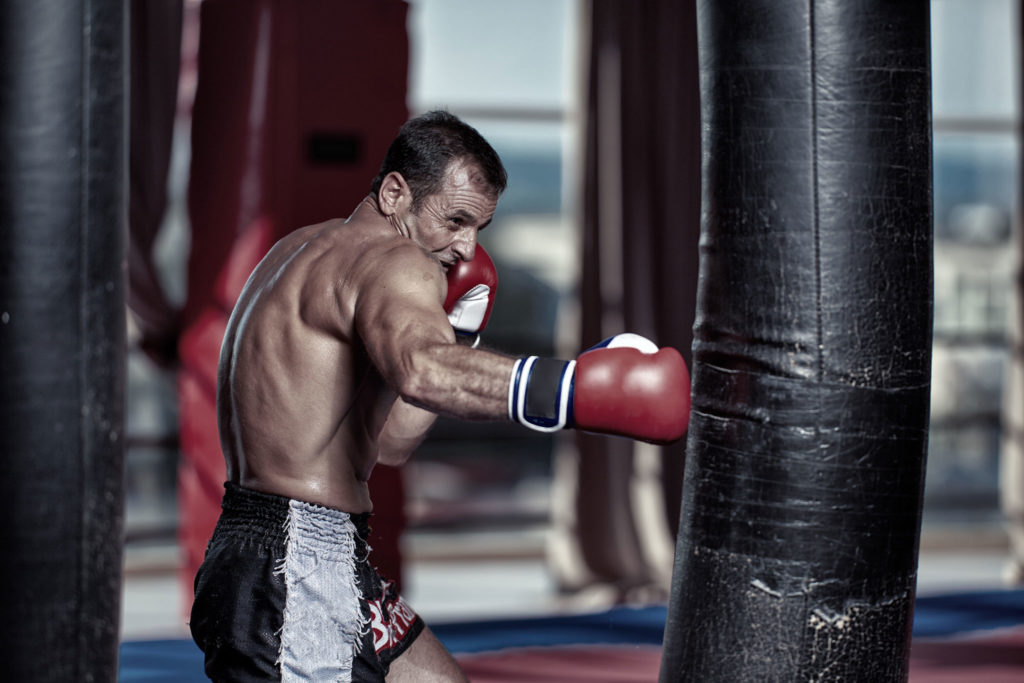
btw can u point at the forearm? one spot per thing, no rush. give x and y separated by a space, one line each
452 380
458 382
404 429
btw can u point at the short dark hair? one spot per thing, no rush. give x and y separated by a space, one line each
428 144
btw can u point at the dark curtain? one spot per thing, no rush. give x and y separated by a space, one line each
641 223
155 59
1011 463
1011 456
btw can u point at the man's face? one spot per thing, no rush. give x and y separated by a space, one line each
447 222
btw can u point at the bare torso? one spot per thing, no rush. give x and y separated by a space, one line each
304 410
299 402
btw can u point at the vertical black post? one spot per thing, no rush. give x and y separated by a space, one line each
797 553
62 336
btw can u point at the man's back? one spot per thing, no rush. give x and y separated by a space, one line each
299 403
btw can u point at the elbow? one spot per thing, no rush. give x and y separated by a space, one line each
413 389
420 382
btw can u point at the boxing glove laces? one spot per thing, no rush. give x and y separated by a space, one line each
472 286
625 386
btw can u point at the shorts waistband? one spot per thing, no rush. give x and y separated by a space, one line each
264 516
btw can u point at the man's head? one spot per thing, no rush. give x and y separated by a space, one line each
428 144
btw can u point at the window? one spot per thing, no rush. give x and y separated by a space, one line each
975 95
510 70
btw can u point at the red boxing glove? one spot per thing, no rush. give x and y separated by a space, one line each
624 386
471 289
634 389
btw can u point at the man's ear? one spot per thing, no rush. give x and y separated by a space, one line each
394 195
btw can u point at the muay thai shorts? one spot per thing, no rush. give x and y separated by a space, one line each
286 593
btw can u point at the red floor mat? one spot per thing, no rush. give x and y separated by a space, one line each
997 658
564 664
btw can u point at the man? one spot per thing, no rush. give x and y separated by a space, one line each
339 354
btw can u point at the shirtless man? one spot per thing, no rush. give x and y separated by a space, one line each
340 354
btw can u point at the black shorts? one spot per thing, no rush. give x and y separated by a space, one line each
286 593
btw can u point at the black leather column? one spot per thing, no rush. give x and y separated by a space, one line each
62 336
797 553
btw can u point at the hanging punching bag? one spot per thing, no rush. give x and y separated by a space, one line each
62 336
797 553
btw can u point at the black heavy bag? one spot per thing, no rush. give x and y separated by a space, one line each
797 553
62 336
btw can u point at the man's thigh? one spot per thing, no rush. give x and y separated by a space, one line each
426 661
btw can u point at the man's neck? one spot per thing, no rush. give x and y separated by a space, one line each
368 210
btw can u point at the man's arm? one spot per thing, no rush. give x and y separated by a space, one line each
471 291
625 386
404 430
401 321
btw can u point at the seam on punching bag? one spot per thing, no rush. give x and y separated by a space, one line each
84 410
812 56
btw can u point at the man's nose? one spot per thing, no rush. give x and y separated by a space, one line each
465 248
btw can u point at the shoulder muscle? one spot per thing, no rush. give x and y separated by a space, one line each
399 307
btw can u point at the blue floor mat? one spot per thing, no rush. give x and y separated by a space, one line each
180 661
